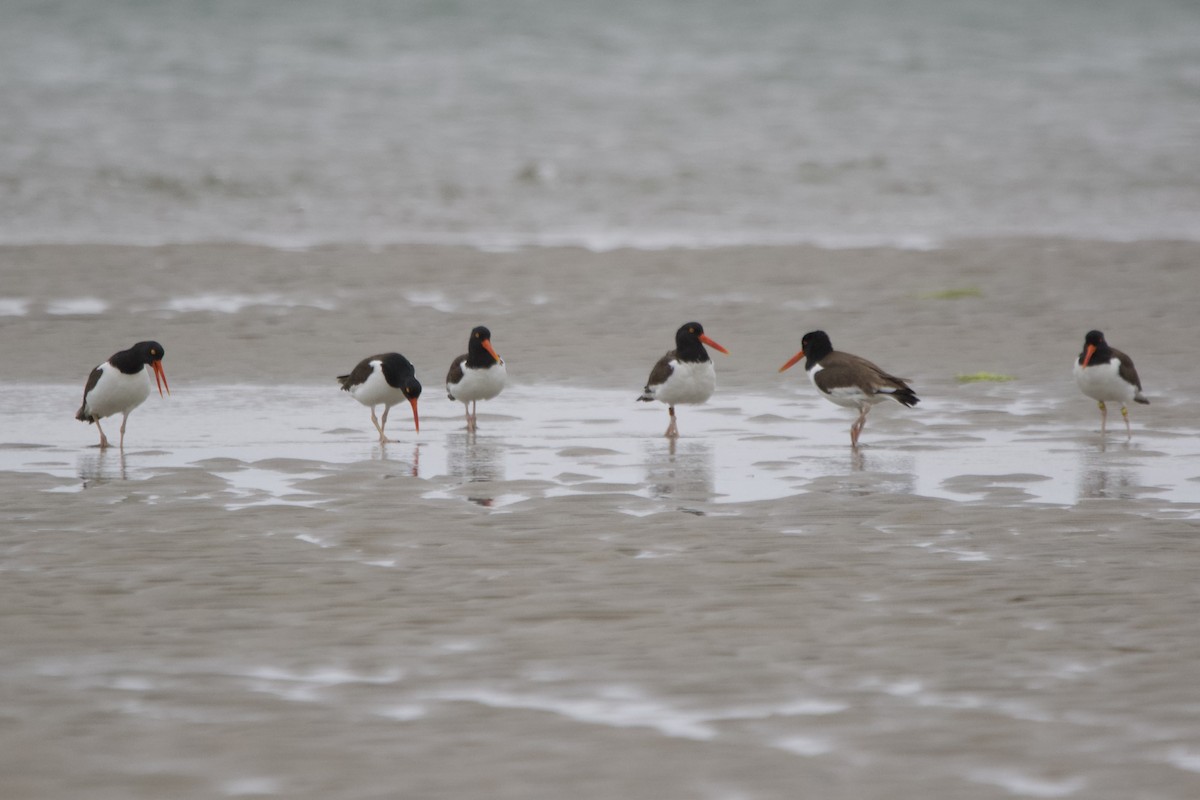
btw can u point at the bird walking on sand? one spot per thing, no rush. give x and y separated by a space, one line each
386 379
684 375
121 384
849 380
478 374
1105 373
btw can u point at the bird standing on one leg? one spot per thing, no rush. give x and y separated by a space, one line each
849 380
121 384
684 375
1105 373
478 374
385 379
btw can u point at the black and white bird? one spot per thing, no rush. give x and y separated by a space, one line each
849 380
1104 373
685 375
121 384
387 380
478 374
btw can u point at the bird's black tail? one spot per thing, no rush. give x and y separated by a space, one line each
905 397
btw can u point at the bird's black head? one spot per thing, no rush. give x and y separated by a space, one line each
690 341
1095 349
148 352
138 357
689 332
411 388
480 352
816 345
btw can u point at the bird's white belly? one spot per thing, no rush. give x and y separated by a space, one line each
846 396
690 382
375 390
479 384
1104 382
117 393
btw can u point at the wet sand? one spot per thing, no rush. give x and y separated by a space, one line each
988 600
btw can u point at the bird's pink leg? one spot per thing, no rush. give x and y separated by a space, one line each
672 431
378 427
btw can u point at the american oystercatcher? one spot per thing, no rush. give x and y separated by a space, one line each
478 374
685 374
385 379
849 380
121 384
1105 373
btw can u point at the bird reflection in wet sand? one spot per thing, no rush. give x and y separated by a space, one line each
381 454
475 461
1100 477
680 470
99 468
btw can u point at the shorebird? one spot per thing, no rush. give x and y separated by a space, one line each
386 379
684 375
849 380
121 384
477 374
1105 373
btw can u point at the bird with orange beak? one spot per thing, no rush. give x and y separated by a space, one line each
478 374
386 379
684 375
121 384
1105 373
848 380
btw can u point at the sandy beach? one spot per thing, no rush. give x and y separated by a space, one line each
988 600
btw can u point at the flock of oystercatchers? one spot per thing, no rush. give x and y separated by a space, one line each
683 376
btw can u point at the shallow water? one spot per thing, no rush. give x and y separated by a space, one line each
556 441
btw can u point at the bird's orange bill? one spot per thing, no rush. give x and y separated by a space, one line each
487 345
1087 356
416 419
160 377
792 361
713 344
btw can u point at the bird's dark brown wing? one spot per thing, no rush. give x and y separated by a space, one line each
92 380
1126 370
845 369
456 372
358 375
662 370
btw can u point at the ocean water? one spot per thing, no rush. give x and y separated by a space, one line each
643 123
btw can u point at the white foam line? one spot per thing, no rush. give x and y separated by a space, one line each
403 713
13 306
616 709
233 303
627 707
76 305
1016 783
323 676
808 746
1188 760
432 299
